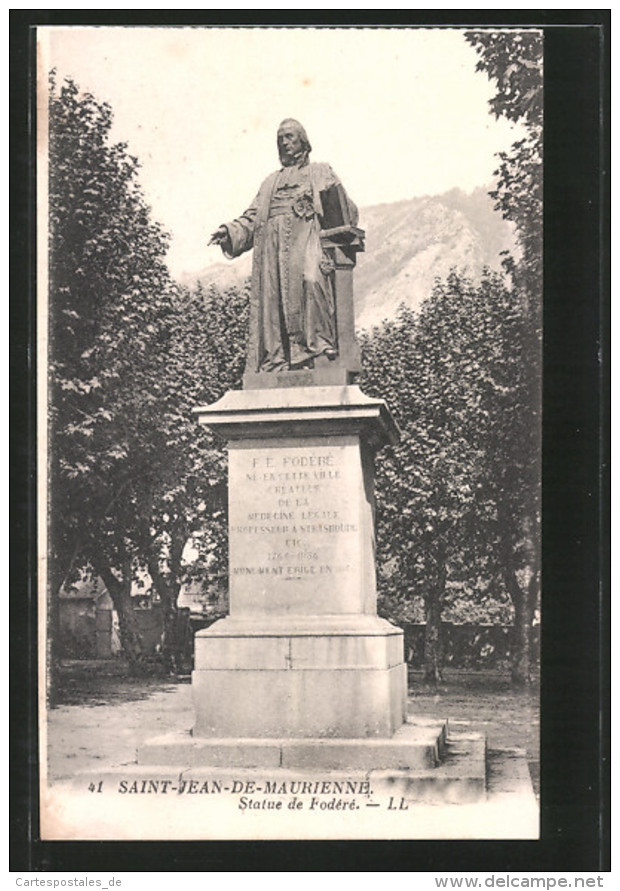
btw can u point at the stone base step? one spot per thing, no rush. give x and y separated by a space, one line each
460 778
413 746
422 762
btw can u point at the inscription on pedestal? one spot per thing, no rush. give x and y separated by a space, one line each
295 489
297 515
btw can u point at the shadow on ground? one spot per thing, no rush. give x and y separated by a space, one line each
99 682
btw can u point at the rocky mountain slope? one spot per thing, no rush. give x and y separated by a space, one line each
408 244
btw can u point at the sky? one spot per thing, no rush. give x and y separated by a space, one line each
398 113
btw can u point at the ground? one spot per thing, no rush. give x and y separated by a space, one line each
103 717
486 701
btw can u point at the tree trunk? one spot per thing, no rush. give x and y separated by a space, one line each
523 598
129 631
51 644
432 641
521 632
433 657
167 586
532 596
59 570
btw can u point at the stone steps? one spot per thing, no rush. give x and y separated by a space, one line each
446 792
422 762
416 746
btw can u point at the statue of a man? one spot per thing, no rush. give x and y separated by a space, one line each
292 312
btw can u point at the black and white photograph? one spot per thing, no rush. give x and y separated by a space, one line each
290 354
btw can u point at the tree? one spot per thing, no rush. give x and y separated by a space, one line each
132 475
425 498
454 495
110 301
204 358
513 60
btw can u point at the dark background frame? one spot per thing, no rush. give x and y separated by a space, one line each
575 729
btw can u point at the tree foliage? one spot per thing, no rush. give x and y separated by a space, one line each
131 472
204 359
109 299
454 495
513 61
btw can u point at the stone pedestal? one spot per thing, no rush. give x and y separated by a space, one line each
303 653
303 688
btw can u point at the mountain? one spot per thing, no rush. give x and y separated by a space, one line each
408 245
225 274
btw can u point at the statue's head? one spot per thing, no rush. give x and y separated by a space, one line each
293 142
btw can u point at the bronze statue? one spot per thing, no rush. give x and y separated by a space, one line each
292 310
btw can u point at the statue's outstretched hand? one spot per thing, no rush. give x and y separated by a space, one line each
219 236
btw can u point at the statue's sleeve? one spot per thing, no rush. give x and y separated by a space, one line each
334 180
241 232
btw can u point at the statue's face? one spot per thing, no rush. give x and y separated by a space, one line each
290 144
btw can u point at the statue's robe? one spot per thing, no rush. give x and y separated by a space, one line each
292 312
